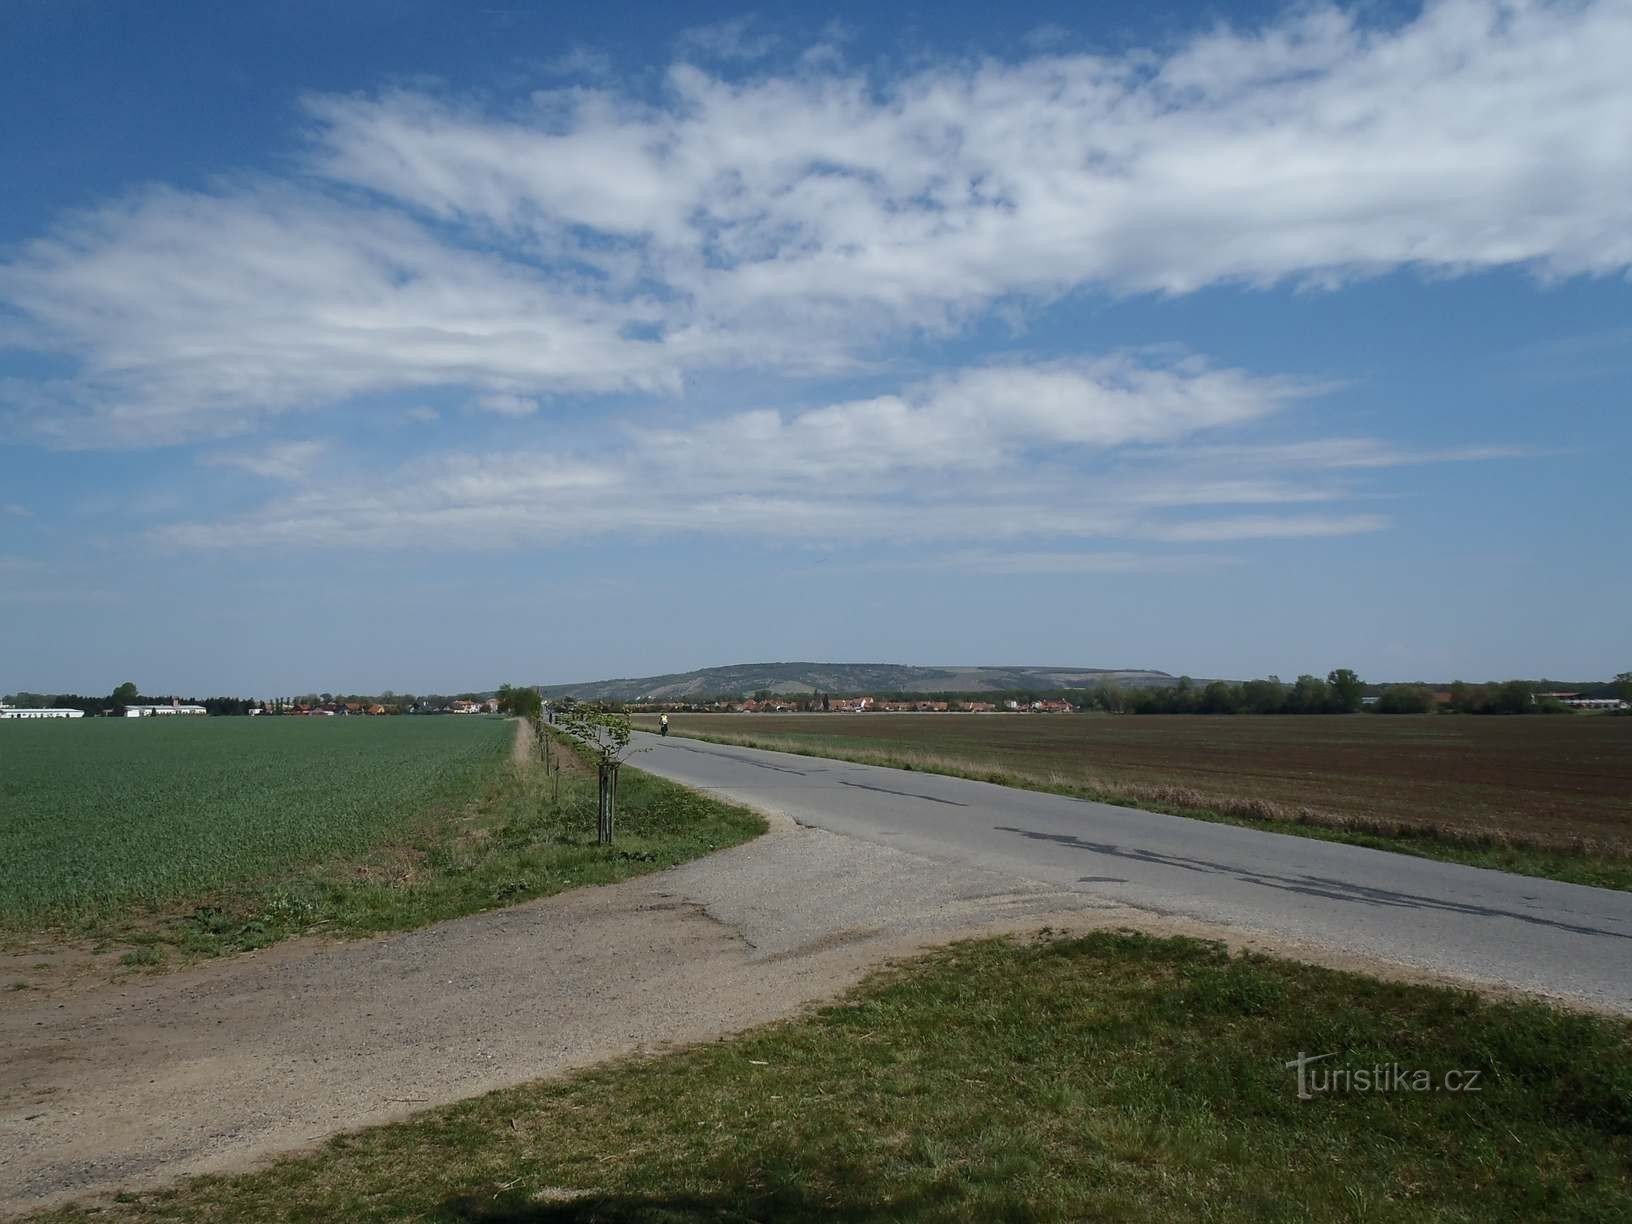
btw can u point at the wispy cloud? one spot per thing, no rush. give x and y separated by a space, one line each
1266 527
1341 453
988 561
506 405
597 240
1011 462
279 461
740 38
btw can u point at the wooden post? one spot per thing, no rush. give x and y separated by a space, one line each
608 775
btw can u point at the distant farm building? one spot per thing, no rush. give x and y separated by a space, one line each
150 711
12 712
1577 702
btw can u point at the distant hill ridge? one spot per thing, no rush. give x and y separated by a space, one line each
792 678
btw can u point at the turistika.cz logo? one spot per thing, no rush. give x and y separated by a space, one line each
1313 1080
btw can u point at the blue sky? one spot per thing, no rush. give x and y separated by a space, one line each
429 346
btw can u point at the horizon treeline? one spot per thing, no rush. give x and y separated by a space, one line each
1341 692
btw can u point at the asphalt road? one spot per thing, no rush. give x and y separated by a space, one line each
1466 923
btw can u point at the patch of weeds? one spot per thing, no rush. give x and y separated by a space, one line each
143 957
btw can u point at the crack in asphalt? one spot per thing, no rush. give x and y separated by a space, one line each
884 790
1309 885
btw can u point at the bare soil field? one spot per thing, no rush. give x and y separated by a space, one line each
1562 782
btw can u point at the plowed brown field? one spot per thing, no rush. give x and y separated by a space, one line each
1545 779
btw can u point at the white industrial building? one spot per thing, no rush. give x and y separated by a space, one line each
13 712
148 711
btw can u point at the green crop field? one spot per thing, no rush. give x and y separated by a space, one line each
101 814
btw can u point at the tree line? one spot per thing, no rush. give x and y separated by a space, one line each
1340 693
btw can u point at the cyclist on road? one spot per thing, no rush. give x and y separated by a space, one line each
663 725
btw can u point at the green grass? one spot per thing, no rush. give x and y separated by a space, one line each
1115 1077
1230 800
233 842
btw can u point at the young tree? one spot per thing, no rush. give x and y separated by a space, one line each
606 733
1623 686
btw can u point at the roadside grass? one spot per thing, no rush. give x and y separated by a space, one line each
1112 1077
1583 862
521 834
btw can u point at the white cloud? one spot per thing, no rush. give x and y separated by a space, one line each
955 461
596 241
976 419
1267 527
1342 453
280 461
1312 149
990 561
203 314
735 39
15 510
506 405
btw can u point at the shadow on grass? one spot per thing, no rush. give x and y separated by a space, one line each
746 1205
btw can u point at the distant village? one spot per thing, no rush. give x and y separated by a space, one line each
290 707
32 706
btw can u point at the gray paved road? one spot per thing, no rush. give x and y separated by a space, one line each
1480 926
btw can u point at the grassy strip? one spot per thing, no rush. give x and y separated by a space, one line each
1115 1077
523 835
1583 865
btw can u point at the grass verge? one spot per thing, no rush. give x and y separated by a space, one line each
1113 1077
1498 851
523 833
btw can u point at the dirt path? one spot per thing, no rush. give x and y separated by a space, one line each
217 1066
521 751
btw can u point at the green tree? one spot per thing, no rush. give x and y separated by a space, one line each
1405 699
1263 696
522 701
606 733
1220 698
1309 695
126 694
1514 697
1347 690
1623 686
